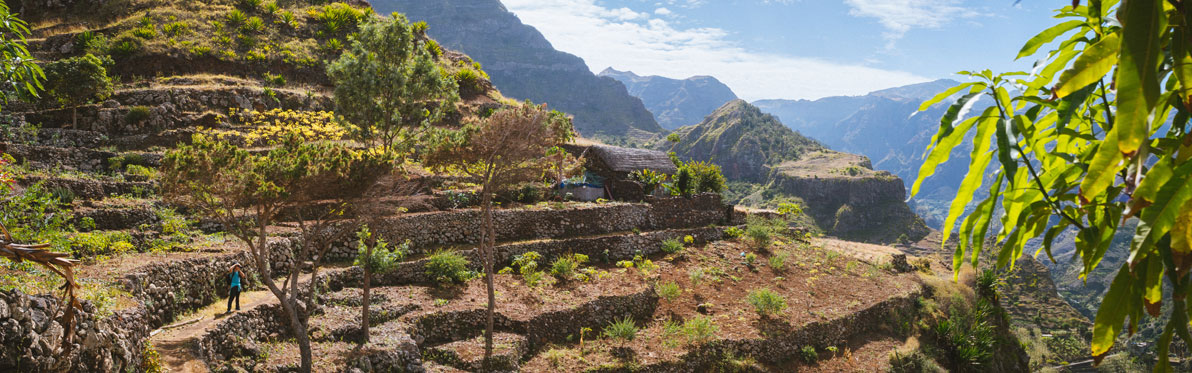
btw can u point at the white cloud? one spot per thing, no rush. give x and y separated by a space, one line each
652 46
900 16
662 11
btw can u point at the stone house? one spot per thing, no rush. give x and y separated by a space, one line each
609 167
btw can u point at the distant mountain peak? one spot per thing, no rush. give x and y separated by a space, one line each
675 102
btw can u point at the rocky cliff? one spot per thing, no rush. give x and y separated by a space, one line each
524 65
674 102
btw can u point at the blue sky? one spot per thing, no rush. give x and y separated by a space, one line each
794 49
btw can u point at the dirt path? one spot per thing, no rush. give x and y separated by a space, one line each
179 347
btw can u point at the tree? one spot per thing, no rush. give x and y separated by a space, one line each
507 148
247 193
374 257
76 81
387 82
1087 150
19 73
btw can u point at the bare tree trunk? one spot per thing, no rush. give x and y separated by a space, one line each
487 247
288 303
365 301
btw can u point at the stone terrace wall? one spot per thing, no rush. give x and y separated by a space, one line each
32 339
464 226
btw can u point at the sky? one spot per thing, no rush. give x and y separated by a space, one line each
793 49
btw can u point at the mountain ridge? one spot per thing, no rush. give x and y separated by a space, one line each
675 102
524 65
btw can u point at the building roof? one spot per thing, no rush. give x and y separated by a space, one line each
630 159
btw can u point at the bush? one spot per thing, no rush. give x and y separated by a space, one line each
672 246
699 330
684 183
447 266
338 16
274 80
122 161
759 237
750 260
733 232
914 362
91 42
125 46
987 284
668 290
564 268
433 48
708 178
623 330
142 171
236 17
137 114
176 28
778 262
252 25
649 179
468 81
766 302
808 354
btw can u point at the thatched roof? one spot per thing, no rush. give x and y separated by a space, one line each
629 159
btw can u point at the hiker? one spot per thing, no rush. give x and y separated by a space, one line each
234 290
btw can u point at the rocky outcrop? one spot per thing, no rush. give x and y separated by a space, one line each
864 208
674 102
524 65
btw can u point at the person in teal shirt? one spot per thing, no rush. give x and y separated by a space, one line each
234 291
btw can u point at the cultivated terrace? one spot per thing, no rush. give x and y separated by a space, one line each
316 145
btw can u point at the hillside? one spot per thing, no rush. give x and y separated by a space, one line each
672 283
881 126
674 102
767 162
524 65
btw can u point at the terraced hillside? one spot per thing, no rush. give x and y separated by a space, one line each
665 284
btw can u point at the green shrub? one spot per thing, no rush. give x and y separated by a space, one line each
649 179
139 170
63 195
672 246
750 260
527 266
623 330
91 42
35 215
433 47
446 266
987 284
90 244
147 29
564 268
468 81
708 178
274 80
236 17
253 25
778 261
913 362
968 335
121 161
699 330
125 46
759 237
251 4
733 232
338 16
684 182
808 354
176 28
668 290
272 7
766 302
137 114
287 18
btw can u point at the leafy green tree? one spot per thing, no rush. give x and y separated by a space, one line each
1096 135
78 80
510 147
19 73
247 192
374 257
387 82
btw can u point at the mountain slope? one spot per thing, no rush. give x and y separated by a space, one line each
839 191
675 103
880 125
524 65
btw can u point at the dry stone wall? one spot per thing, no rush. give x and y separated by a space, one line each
31 337
463 227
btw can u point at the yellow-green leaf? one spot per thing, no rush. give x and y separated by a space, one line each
1092 65
1112 314
980 157
946 140
945 94
1046 37
1103 168
1138 70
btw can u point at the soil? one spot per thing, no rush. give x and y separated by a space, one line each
179 347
